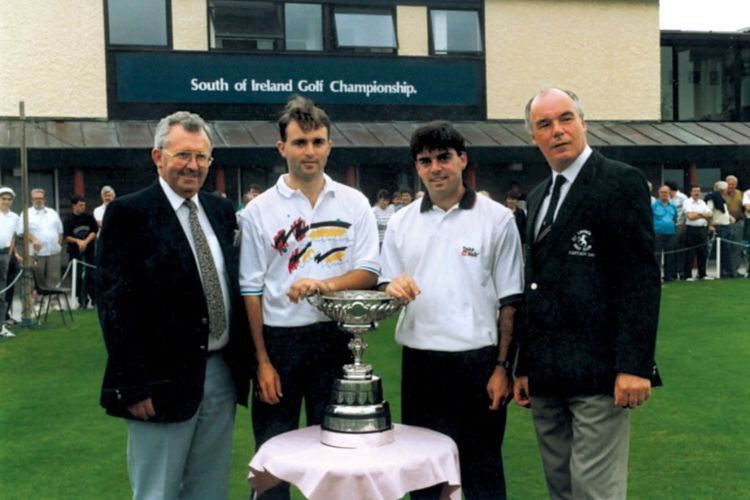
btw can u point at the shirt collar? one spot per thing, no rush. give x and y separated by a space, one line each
284 190
175 200
465 203
574 168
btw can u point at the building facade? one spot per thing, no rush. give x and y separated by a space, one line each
96 75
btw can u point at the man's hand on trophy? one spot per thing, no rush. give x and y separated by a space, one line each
306 287
268 389
403 287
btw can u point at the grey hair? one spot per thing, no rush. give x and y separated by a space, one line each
190 121
720 186
527 111
37 190
731 178
107 189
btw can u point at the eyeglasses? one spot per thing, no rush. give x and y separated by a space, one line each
185 157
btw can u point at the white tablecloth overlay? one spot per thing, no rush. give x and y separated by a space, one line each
418 458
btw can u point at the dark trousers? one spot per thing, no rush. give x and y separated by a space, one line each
696 239
446 392
308 359
679 256
665 244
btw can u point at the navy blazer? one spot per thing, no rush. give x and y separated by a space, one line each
591 301
152 309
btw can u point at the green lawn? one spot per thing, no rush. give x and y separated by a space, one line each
692 439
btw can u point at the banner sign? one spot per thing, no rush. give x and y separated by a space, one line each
206 78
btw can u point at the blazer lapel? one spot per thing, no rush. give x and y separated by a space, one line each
171 234
571 205
534 202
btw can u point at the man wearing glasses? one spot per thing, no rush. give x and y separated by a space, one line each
173 321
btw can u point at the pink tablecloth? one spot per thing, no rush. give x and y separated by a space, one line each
418 458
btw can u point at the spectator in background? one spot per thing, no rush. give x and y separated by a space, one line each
383 211
80 230
697 219
8 225
107 194
407 196
515 188
511 201
665 229
733 199
45 236
678 199
720 223
396 199
253 190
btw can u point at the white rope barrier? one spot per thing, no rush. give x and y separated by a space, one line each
18 276
709 244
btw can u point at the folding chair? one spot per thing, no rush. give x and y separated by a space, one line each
46 293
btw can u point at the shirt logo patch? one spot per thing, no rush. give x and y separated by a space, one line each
468 252
582 244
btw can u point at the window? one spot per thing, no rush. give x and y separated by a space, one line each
710 82
455 31
137 22
303 25
667 84
243 25
370 29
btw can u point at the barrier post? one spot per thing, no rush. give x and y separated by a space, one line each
718 258
74 284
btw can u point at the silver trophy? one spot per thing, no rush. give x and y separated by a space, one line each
357 415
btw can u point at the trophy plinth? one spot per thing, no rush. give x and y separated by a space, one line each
357 415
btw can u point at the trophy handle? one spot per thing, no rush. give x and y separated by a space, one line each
315 299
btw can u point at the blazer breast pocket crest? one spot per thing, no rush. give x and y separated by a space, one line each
582 244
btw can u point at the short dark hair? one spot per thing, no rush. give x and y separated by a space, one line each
408 191
76 199
512 194
383 194
671 185
307 115
693 186
254 186
434 136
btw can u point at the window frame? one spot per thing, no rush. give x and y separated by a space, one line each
333 32
456 53
278 42
167 27
679 41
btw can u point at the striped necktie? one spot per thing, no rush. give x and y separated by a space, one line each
549 217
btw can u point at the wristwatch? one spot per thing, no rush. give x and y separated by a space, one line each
505 363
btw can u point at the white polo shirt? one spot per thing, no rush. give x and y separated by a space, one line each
8 226
46 227
699 206
466 261
285 239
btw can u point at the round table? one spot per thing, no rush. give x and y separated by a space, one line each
418 458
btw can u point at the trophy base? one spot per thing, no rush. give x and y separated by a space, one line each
369 440
357 416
